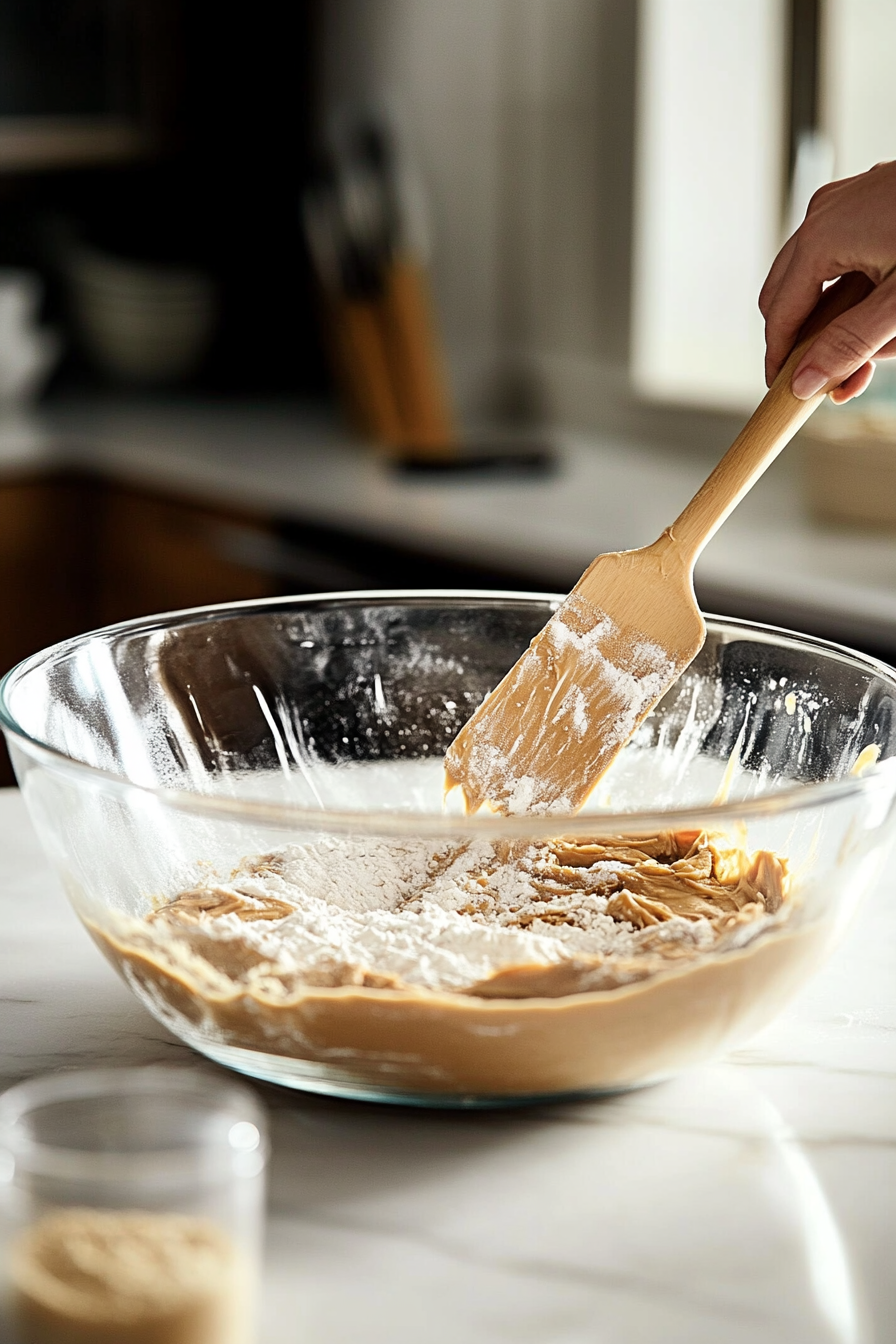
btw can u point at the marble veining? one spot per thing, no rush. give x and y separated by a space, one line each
750 1199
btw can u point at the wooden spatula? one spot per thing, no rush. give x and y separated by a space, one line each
544 736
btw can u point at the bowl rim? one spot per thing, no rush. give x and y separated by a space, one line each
291 816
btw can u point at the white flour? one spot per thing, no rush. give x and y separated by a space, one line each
439 918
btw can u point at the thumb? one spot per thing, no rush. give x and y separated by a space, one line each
848 342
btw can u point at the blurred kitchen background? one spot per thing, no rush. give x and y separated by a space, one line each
365 293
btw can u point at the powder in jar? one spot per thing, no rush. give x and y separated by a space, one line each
98 1276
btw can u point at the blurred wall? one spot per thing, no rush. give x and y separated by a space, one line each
710 192
858 82
520 114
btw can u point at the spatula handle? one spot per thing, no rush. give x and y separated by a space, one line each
769 429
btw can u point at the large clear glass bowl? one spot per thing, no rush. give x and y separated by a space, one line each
155 756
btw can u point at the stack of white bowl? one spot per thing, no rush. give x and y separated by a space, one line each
139 322
27 350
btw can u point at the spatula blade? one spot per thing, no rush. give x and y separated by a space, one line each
541 740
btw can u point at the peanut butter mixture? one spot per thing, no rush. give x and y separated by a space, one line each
475 919
473 968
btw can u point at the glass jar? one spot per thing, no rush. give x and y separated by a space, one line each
132 1203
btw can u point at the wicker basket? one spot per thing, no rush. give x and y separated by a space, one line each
849 466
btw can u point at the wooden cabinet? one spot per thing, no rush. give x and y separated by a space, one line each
159 554
78 552
47 562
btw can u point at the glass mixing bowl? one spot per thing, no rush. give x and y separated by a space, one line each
158 756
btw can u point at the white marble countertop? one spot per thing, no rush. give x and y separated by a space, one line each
770 560
748 1200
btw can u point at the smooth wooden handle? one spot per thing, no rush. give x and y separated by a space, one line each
770 428
366 370
416 362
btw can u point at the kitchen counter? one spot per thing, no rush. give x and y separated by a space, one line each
770 560
747 1200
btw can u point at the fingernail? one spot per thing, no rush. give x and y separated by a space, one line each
807 382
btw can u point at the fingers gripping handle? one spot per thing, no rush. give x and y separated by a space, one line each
770 428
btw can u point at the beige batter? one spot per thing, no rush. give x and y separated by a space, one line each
478 969
96 1276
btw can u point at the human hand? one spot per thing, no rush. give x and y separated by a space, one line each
850 226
